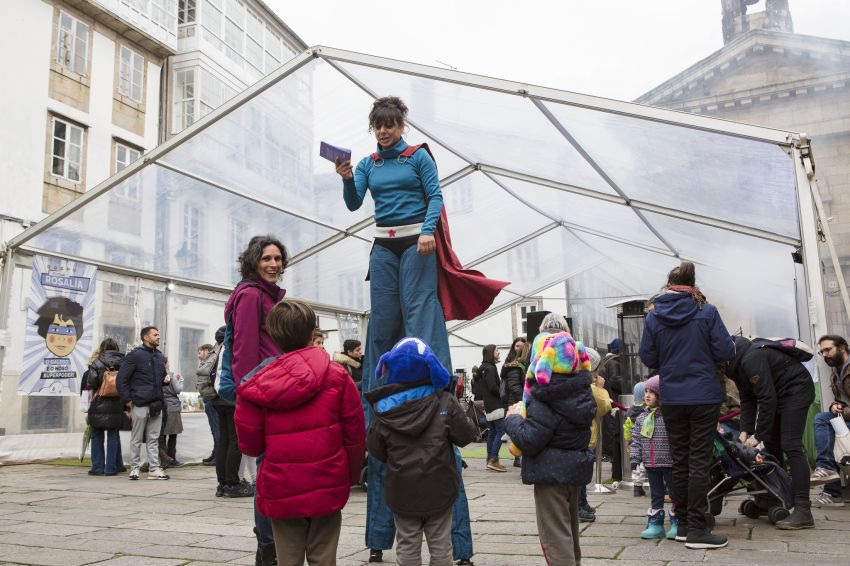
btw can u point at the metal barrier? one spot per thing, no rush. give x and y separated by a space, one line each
599 487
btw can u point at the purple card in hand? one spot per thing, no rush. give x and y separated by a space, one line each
332 152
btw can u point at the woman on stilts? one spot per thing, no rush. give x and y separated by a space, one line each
410 254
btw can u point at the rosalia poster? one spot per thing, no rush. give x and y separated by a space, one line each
60 325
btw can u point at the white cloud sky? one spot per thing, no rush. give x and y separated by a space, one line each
617 48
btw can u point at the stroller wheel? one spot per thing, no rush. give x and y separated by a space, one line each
750 509
709 521
776 514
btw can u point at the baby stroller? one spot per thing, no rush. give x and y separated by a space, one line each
735 469
475 412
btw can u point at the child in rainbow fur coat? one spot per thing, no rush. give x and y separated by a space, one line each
551 426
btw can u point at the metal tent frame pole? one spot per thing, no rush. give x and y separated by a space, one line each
693 121
810 219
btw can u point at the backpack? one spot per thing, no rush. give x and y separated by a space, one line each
225 385
108 386
799 351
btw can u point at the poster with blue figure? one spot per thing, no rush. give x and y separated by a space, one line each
60 324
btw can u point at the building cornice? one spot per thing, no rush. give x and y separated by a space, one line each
689 84
124 28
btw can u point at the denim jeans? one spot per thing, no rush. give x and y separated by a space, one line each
110 461
380 524
212 419
825 444
494 438
660 482
262 524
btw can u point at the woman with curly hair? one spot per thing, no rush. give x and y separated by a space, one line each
261 266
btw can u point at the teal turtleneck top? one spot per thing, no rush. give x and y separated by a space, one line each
405 191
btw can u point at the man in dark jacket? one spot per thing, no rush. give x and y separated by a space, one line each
776 391
685 338
416 423
139 382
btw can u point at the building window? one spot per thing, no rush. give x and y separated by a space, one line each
214 92
67 153
273 50
186 19
72 44
522 311
238 240
192 229
125 155
186 12
184 99
131 74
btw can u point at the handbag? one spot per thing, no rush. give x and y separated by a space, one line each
841 449
108 387
85 400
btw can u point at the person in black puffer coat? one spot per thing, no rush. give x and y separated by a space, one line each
106 414
513 376
554 435
776 392
494 407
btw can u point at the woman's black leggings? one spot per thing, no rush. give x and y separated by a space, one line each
228 457
787 437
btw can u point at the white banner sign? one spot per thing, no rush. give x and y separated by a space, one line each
60 325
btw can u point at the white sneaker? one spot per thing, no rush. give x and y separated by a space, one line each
157 474
827 500
134 474
823 475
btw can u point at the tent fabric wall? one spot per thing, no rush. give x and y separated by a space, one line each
541 187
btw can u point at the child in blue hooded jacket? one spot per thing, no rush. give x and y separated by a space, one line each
416 423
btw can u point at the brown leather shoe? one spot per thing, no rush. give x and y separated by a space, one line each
496 466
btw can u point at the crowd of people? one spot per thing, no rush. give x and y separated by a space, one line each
295 428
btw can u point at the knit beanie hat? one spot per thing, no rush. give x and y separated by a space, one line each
637 392
412 360
595 358
554 353
653 384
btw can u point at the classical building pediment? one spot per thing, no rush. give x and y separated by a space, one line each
756 67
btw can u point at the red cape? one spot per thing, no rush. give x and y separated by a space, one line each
464 293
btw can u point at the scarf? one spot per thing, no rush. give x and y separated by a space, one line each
647 428
692 291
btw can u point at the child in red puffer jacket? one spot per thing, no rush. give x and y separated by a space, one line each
303 413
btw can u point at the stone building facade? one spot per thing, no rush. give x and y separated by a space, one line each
767 75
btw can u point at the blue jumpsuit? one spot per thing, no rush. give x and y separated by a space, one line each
403 294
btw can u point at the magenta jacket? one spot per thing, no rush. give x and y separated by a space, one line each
303 412
251 302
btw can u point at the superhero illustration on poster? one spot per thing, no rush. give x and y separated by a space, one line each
60 309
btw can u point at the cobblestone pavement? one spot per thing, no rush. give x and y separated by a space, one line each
57 515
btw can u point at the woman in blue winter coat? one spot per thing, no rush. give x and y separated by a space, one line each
685 339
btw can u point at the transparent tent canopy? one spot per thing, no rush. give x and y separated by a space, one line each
545 189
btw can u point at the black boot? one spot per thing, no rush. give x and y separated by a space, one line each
376 555
800 518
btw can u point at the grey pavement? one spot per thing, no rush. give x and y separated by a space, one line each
58 515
